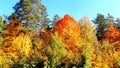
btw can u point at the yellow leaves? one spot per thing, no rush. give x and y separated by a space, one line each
27 46
116 56
18 40
4 61
23 43
17 45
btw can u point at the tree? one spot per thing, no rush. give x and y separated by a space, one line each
118 23
89 42
31 12
44 19
2 30
101 24
18 48
112 37
14 27
55 50
107 52
112 34
110 18
69 30
55 19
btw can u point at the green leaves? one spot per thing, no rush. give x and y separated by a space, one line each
31 14
1 40
2 31
117 58
55 50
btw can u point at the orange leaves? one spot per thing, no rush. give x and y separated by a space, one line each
14 27
67 23
69 30
112 34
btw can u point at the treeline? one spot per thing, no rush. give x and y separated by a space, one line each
29 39
101 21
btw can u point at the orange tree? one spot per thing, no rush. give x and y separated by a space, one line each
69 30
112 34
14 27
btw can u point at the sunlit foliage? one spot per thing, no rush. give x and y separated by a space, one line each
89 42
26 42
112 34
14 27
69 30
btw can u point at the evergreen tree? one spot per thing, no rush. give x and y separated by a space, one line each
101 24
110 18
56 18
31 13
117 23
44 20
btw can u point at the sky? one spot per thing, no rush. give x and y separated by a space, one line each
75 8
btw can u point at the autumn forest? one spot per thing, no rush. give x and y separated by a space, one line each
29 39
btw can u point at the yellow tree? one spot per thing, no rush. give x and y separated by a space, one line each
89 43
16 44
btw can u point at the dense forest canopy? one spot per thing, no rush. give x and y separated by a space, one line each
29 39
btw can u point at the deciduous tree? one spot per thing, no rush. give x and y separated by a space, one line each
112 34
69 30
89 43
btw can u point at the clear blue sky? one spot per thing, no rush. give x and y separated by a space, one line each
76 8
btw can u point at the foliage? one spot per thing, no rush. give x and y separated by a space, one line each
117 58
28 41
5 62
69 30
18 49
55 50
31 13
2 31
89 42
110 18
101 24
117 23
112 34
14 27
107 52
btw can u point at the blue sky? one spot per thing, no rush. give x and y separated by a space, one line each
75 8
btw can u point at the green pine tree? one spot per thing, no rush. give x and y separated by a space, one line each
101 23
32 13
